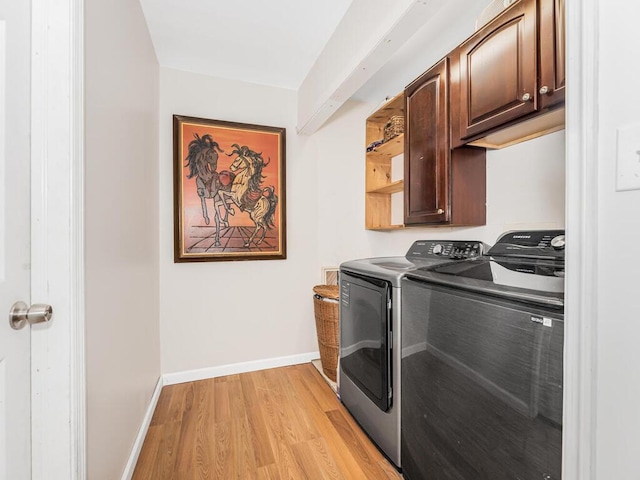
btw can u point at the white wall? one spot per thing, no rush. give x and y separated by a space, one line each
618 329
121 219
220 313
525 189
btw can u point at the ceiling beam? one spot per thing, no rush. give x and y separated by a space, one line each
368 35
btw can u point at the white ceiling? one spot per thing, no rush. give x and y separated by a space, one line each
266 42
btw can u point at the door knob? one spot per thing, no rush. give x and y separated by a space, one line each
20 314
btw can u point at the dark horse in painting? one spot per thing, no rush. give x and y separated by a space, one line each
247 192
202 161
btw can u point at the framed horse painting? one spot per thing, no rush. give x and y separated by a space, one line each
229 191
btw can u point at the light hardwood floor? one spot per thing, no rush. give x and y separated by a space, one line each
283 423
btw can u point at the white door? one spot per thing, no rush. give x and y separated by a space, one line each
15 364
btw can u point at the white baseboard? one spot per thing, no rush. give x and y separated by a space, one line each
142 433
234 368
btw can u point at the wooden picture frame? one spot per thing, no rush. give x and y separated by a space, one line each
229 191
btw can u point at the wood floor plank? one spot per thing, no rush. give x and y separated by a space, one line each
170 405
365 441
293 417
390 472
149 453
340 452
306 462
236 399
324 459
227 378
318 388
162 407
268 472
288 467
243 449
283 423
166 457
186 450
224 459
267 409
306 425
356 445
221 403
342 425
261 440
205 432
249 394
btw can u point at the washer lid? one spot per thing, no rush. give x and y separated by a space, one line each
528 280
391 269
422 253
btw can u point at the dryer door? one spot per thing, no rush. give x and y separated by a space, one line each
365 335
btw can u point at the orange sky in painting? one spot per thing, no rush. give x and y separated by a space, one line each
266 143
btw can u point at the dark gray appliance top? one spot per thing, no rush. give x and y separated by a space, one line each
421 254
525 266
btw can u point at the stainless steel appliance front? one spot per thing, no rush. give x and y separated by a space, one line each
370 358
371 333
482 364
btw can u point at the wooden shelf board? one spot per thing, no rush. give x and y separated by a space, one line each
386 228
393 147
393 187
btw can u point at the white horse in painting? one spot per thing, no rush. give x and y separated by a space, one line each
247 192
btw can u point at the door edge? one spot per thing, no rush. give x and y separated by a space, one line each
57 228
580 366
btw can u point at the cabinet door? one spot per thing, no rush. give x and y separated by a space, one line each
426 168
498 71
552 53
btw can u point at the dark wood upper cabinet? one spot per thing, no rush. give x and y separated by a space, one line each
508 79
426 170
441 186
552 53
497 72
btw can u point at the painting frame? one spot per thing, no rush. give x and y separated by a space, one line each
229 191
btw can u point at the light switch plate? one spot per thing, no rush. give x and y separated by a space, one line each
628 167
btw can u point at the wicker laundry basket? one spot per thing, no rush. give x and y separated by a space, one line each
325 306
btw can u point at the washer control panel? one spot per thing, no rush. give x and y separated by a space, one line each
542 244
452 249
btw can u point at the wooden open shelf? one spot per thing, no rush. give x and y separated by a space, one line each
393 187
393 147
379 185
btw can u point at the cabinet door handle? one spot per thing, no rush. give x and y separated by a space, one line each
544 90
440 211
526 97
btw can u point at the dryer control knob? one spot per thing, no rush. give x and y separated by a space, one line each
437 249
558 242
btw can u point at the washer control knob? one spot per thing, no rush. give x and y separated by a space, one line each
437 249
558 242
